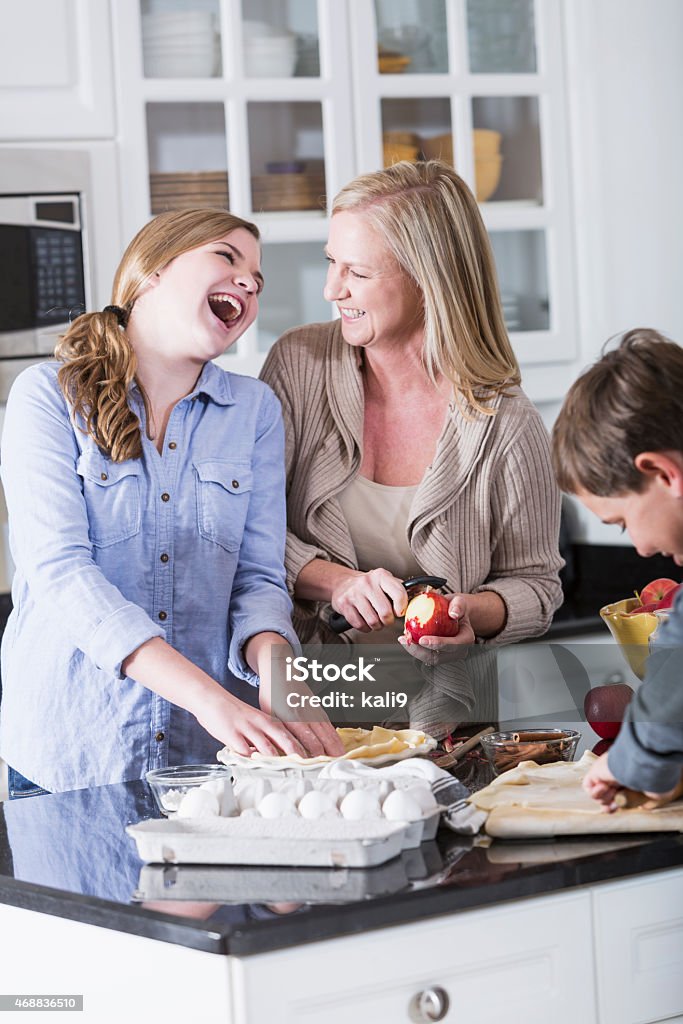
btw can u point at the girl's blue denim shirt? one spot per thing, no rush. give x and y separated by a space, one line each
186 545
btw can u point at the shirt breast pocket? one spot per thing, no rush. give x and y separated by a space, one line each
223 490
112 497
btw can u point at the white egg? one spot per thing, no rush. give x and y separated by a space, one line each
249 812
317 804
400 806
422 794
197 803
359 804
276 805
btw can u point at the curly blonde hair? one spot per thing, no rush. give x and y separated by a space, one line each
431 223
98 360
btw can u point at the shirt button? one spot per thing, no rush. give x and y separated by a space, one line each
165 496
104 476
172 445
159 737
164 557
235 484
163 616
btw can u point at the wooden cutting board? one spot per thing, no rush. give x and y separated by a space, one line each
548 800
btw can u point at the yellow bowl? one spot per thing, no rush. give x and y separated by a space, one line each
631 633
486 142
487 175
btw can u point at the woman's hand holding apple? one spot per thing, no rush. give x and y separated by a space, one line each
431 648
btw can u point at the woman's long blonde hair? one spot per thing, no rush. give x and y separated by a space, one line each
431 223
98 360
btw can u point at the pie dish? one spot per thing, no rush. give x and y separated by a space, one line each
367 746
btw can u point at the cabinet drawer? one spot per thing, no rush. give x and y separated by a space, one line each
535 955
639 949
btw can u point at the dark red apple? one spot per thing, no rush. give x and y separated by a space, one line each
427 615
604 708
602 746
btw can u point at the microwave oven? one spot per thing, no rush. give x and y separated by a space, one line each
42 271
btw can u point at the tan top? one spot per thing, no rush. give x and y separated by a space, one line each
377 519
486 514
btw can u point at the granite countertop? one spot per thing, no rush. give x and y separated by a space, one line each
68 855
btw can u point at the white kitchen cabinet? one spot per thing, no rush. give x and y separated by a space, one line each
56 79
481 84
535 956
639 949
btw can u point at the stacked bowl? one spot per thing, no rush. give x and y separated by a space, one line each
488 162
268 52
180 44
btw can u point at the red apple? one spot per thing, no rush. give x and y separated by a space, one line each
655 591
604 708
427 615
656 596
669 598
602 746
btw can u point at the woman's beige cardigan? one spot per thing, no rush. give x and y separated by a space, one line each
486 515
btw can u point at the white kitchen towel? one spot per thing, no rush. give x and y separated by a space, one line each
451 795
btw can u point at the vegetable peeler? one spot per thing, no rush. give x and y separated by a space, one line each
414 586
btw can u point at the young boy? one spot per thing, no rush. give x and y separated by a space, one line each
618 446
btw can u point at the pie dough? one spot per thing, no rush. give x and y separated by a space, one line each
368 744
548 800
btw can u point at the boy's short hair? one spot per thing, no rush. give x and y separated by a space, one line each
630 401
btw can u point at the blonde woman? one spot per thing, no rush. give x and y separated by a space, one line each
145 490
411 448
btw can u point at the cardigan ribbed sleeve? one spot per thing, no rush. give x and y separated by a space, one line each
525 518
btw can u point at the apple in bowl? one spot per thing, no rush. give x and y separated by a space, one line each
657 596
427 615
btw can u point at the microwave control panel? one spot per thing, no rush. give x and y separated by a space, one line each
59 289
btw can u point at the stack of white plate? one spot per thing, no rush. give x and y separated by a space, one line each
510 304
180 44
268 52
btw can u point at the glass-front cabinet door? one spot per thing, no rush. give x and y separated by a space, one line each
480 85
245 104
270 106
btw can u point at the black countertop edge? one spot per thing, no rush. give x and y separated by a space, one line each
320 923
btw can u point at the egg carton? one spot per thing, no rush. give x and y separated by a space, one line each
279 841
249 838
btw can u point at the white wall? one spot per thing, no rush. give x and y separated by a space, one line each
625 72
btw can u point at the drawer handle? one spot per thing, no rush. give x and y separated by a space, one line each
429 1005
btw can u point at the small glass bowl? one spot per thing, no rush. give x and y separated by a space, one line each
169 785
505 750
